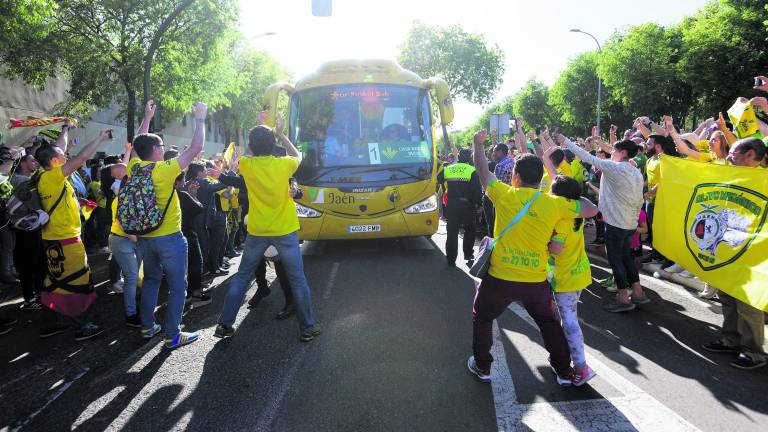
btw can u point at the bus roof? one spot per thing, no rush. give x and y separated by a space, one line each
378 71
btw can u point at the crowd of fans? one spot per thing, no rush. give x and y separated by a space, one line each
621 177
166 217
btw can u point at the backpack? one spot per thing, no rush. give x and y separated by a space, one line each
24 208
137 209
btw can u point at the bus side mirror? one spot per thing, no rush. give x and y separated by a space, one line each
443 98
270 101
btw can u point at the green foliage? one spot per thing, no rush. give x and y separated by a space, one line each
472 68
100 46
532 102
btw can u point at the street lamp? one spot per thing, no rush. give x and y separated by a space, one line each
599 83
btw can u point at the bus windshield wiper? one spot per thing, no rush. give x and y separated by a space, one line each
391 169
324 171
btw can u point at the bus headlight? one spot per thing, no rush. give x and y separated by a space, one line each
426 206
306 212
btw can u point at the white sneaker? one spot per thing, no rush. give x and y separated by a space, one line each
118 286
674 268
708 292
686 274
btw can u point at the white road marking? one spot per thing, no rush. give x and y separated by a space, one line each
268 415
50 400
636 410
331 281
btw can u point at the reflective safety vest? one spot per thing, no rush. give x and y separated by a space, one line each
458 172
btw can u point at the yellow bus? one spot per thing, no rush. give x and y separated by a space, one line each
366 132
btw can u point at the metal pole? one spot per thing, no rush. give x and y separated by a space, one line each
599 81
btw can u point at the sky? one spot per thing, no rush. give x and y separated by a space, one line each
534 35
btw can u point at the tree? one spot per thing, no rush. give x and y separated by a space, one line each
724 50
638 68
101 47
532 102
256 71
472 68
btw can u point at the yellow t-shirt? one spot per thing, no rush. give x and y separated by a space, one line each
97 194
64 222
712 158
271 211
116 227
546 182
653 173
522 254
164 176
572 271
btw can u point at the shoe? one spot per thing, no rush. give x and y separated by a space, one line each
261 293
708 292
53 330
223 331
470 263
563 381
225 266
181 339
482 375
310 333
199 300
451 263
607 282
32 305
640 300
581 377
287 311
88 331
118 286
646 260
133 321
719 347
612 289
686 274
674 268
745 362
151 332
619 306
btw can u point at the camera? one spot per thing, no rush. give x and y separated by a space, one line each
758 82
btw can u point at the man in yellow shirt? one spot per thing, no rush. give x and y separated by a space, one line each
518 270
67 289
164 250
272 220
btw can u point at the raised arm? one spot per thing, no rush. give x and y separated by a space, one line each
62 141
764 85
128 150
612 138
200 110
682 148
730 138
550 167
478 156
149 113
290 149
603 146
520 136
579 152
85 154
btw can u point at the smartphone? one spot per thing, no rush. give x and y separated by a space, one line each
109 134
758 82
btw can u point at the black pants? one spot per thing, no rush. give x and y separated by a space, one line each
217 238
460 215
649 206
490 214
194 263
599 229
29 257
282 278
618 244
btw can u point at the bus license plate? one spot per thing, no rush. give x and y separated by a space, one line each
364 228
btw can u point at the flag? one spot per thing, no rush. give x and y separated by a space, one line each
229 153
742 115
86 207
711 219
37 121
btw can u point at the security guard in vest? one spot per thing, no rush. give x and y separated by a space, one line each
464 196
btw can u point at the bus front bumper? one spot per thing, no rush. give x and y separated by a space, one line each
399 224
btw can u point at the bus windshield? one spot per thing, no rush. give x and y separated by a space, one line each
360 133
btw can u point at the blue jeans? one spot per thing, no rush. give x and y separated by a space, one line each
164 255
128 256
290 257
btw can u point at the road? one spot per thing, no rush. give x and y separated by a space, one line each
392 357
